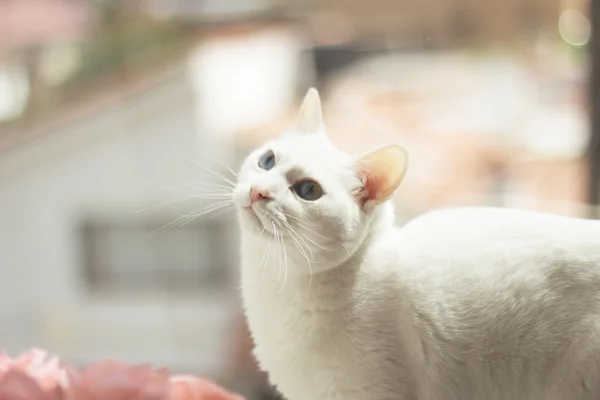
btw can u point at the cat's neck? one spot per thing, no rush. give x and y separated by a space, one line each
330 289
265 276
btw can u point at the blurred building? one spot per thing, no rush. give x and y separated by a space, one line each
87 275
434 23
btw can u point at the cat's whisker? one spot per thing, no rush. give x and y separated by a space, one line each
219 204
301 250
280 256
292 217
312 232
213 196
227 167
299 236
164 204
301 224
222 165
170 225
285 265
223 192
210 185
350 257
215 174
276 234
294 235
173 190
347 251
265 261
305 236
218 212
164 227
187 218
208 209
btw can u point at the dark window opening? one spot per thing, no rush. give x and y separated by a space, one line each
133 257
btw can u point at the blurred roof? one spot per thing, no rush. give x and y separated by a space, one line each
27 22
100 95
81 108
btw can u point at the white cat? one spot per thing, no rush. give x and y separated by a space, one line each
463 304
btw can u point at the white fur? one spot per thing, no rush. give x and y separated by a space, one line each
460 304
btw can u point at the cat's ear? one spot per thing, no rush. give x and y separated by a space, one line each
381 172
310 117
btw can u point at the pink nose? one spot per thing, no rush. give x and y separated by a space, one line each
256 194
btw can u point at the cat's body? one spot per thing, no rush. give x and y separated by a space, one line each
458 305
462 304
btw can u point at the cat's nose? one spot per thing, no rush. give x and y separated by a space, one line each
257 194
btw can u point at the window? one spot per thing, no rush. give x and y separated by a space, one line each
140 257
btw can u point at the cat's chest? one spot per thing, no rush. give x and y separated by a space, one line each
308 353
282 327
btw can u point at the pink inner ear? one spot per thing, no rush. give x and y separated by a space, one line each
381 173
372 185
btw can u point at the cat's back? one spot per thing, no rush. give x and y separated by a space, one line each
514 294
498 229
473 253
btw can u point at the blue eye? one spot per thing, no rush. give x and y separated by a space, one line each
267 160
308 190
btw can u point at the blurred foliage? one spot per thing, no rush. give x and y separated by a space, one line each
125 43
127 48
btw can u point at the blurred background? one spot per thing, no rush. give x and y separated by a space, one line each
111 107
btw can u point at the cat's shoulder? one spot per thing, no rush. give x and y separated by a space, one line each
484 235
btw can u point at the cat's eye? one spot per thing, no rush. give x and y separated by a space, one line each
267 160
308 190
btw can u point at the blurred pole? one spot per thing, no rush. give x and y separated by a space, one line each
594 144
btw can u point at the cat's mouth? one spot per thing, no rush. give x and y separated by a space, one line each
259 220
263 221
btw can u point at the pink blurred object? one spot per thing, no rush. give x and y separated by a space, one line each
26 22
189 387
113 380
38 364
17 385
36 375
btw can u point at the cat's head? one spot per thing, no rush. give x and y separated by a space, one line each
301 192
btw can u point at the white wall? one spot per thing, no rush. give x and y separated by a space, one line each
115 161
251 96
